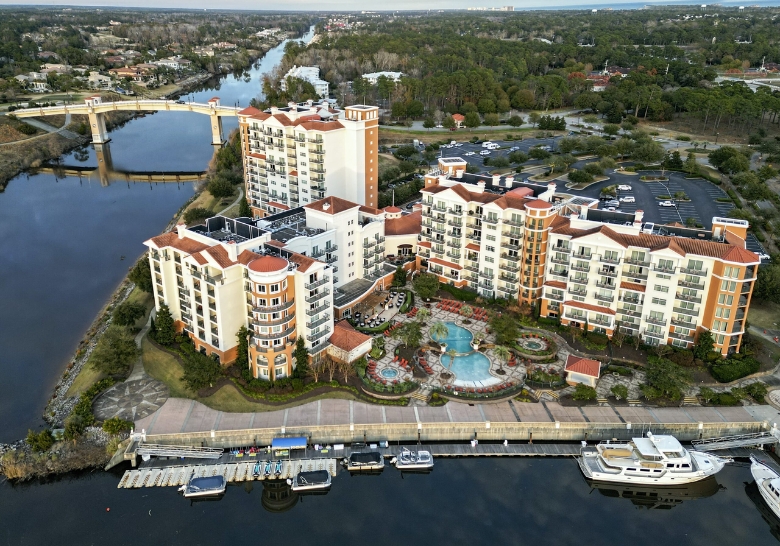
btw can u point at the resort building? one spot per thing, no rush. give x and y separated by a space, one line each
591 268
310 74
298 154
373 77
284 276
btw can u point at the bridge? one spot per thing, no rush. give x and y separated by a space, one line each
107 174
95 109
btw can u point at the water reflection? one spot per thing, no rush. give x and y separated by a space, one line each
658 498
766 513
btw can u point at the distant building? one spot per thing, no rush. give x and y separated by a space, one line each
458 119
373 77
310 74
175 63
96 80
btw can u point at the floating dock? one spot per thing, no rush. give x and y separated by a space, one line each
178 475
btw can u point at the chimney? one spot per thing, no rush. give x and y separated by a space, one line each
325 206
583 212
574 216
496 179
638 215
509 181
551 186
274 110
481 185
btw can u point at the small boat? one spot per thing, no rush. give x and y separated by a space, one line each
768 482
257 470
208 486
278 468
267 469
413 460
370 460
654 460
318 480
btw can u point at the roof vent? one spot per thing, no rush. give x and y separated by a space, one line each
325 206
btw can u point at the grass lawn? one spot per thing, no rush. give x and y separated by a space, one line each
764 315
228 399
164 367
386 161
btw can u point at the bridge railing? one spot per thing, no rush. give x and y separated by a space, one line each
140 102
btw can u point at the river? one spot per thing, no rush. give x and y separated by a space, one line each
66 244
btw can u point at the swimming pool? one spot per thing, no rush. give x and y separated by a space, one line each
389 373
470 367
469 364
458 338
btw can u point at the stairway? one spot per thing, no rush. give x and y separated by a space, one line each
542 392
417 395
691 401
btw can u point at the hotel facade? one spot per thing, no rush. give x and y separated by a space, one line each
298 154
590 268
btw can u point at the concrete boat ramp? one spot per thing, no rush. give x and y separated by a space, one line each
178 474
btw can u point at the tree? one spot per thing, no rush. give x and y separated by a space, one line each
534 118
410 334
220 187
648 152
40 441
301 356
705 343
611 129
398 110
584 392
448 122
242 348
665 378
491 120
399 277
196 214
428 123
768 283
423 315
706 394
243 209
472 120
620 392
505 329
141 275
438 331
502 354
117 425
347 370
538 153
674 161
115 352
515 121
128 312
691 167
466 311
426 285
164 324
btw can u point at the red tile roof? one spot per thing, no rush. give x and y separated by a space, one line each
346 338
632 286
583 366
589 307
370 210
268 264
335 205
392 210
248 111
473 246
538 204
555 284
445 263
184 244
304 262
409 224
281 206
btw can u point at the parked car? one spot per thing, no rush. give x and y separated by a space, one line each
624 187
486 144
628 199
514 148
469 153
762 256
484 152
666 204
612 203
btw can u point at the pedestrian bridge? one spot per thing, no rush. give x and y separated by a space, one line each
95 109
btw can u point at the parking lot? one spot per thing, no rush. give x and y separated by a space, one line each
463 148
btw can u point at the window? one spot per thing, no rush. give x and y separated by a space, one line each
667 265
261 288
660 288
611 255
728 286
490 248
274 288
724 299
722 312
490 237
658 301
732 272
489 259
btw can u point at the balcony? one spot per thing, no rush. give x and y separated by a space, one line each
682 311
332 259
438 230
471 268
606 260
490 220
683 323
316 284
696 272
683 337
510 246
689 284
607 273
688 297
318 335
275 335
601 322
562 273
273 308
603 297
562 261
606 285
630 313
580 268
507 278
565 249
576 292
582 256
579 280
655 320
485 275
454 244
455 223
650 333
317 310
516 223
276 322
487 285
551 296
636 261
473 237
455 211
578 318
509 267
318 296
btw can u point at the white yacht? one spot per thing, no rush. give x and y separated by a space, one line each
654 460
768 482
413 460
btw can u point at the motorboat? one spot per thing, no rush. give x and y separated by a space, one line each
317 480
659 497
207 486
653 460
369 461
768 482
278 468
413 460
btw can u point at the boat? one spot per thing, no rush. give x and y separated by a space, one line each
768 482
654 460
369 460
317 480
267 469
278 468
257 470
413 460
208 486
659 497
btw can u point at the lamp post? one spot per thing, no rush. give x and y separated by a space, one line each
716 137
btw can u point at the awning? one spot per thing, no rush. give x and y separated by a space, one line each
289 443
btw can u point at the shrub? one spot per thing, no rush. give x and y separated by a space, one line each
460 294
199 370
682 358
757 391
580 177
40 441
115 425
127 313
584 392
733 369
620 392
197 213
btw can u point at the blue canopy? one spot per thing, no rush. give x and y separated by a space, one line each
289 443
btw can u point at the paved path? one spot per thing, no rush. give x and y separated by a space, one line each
179 415
234 203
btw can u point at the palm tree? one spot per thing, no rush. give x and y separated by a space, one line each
438 332
467 311
451 353
502 354
423 314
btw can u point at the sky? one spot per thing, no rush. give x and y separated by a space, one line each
357 5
